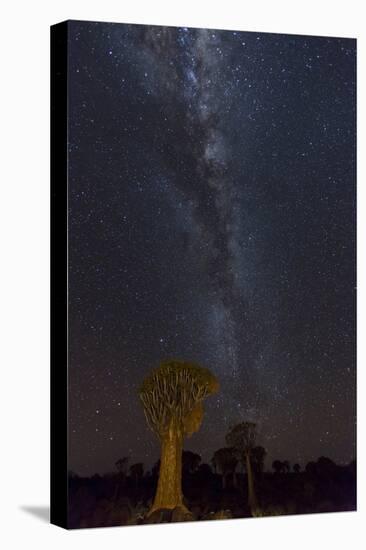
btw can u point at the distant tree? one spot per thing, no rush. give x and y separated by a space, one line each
137 472
190 461
155 468
205 470
296 468
172 397
325 467
225 461
121 465
310 468
286 466
242 438
258 455
204 474
277 466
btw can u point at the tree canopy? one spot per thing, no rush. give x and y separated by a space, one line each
174 392
242 437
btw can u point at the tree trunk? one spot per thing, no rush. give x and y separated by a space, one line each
224 481
118 487
252 500
169 491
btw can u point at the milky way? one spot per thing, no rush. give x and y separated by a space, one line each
211 218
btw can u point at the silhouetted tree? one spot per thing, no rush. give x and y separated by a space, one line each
204 475
286 466
296 468
172 396
205 469
190 461
277 466
242 438
121 466
325 468
258 455
310 468
225 461
137 472
155 468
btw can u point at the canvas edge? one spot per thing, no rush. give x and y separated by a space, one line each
59 280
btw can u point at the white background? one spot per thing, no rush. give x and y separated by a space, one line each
24 272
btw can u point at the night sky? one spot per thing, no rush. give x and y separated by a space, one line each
211 219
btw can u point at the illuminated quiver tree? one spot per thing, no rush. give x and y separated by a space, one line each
172 396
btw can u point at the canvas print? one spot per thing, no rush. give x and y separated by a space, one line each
211 274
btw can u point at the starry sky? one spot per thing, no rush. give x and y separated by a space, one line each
211 219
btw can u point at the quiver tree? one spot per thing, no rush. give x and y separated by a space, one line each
242 438
121 466
257 456
137 472
190 462
281 467
225 461
172 397
277 466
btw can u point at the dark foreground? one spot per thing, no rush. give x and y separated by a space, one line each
116 499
